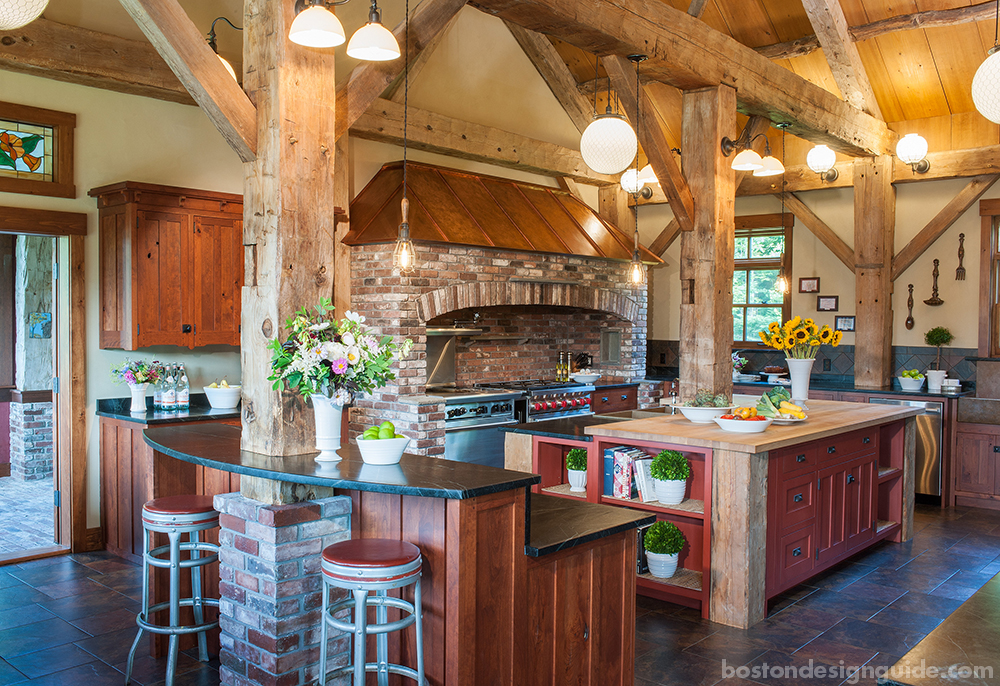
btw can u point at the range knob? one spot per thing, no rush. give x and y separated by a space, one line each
483 409
585 400
574 402
551 405
562 403
537 406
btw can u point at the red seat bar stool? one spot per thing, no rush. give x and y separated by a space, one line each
372 564
174 516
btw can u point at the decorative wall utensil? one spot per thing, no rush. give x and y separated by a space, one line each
934 300
909 307
960 272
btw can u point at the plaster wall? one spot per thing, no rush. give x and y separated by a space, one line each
32 293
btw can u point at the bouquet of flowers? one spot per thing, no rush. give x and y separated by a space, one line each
799 338
334 359
134 372
739 363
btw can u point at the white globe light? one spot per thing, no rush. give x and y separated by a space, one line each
770 166
911 148
747 160
630 181
609 144
373 43
646 175
16 13
986 88
821 159
317 27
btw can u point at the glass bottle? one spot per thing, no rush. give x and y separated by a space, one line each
183 390
170 390
559 367
158 393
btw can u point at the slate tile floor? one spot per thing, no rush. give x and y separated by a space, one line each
26 513
69 621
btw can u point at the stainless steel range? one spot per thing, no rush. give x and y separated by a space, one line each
548 399
473 417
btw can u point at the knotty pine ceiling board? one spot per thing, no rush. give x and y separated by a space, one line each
956 59
748 22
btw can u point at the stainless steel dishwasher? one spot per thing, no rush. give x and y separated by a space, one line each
929 442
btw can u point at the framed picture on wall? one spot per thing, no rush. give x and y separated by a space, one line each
827 303
809 284
845 324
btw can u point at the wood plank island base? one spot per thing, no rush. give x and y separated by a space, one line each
762 512
517 588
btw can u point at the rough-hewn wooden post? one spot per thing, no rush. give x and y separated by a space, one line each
874 229
288 213
707 251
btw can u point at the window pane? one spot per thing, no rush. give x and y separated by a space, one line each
767 246
758 318
741 248
739 287
763 287
738 324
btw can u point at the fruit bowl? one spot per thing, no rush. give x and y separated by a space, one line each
743 426
580 377
382 450
223 398
702 415
909 384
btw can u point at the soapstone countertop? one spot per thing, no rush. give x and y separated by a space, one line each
200 410
561 523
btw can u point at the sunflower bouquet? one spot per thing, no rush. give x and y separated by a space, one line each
799 338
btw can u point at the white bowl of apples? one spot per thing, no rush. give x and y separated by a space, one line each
222 396
911 380
382 445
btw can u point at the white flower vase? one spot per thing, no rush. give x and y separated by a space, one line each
669 492
577 480
800 370
138 391
661 565
934 379
328 416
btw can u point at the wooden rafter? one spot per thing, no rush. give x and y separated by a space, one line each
686 53
828 20
697 8
936 227
666 238
654 141
395 91
368 80
184 49
819 228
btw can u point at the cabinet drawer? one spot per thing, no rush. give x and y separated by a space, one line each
796 502
796 459
615 399
838 447
795 556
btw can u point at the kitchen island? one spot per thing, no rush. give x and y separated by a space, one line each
517 588
763 512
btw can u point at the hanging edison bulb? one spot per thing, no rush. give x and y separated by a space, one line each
636 270
403 256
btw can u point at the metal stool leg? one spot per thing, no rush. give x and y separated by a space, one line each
360 635
196 604
145 604
382 643
175 604
418 610
323 636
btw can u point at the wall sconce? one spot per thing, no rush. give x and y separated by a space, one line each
912 150
748 159
316 26
633 184
821 159
215 48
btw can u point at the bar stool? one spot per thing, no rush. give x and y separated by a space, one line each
176 515
372 564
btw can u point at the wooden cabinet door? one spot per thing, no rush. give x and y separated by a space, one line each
217 280
831 534
160 277
975 462
860 505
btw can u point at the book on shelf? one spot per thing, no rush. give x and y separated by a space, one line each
644 478
642 564
624 485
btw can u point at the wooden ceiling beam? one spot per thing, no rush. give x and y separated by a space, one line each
904 22
820 229
654 141
438 133
697 8
369 80
186 52
830 24
686 53
666 238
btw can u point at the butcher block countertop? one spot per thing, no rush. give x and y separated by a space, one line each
825 418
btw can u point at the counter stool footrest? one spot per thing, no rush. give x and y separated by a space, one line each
143 622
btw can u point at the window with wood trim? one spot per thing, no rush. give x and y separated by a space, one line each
762 255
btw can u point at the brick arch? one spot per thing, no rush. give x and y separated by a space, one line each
491 294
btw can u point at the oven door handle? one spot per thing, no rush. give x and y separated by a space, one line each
506 422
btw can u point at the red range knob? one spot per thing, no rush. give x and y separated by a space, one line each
585 401
574 402
562 403
536 406
550 405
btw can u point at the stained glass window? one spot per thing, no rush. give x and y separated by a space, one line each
26 151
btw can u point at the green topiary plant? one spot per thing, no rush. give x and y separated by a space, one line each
670 465
664 538
576 459
938 336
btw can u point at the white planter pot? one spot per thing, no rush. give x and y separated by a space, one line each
934 379
138 398
577 480
799 371
662 566
669 492
328 417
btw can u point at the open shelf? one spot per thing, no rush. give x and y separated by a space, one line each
688 508
682 578
887 473
563 490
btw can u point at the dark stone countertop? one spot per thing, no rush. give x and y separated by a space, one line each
566 427
560 523
200 410
218 446
968 639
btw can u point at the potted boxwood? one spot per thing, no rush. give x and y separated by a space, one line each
938 336
670 471
663 543
576 468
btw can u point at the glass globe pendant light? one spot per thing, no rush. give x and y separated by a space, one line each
373 42
986 82
315 26
609 144
17 13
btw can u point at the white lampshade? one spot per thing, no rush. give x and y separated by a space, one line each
986 88
630 181
770 166
229 67
747 160
646 175
911 148
16 13
373 43
609 144
317 27
821 159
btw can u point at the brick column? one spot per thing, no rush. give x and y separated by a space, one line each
650 393
30 441
271 588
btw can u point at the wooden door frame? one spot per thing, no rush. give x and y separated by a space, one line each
70 436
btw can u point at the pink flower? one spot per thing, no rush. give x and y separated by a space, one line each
129 376
339 365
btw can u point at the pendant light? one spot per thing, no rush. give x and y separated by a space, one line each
636 269
373 42
404 256
315 26
986 82
609 144
215 48
782 285
17 13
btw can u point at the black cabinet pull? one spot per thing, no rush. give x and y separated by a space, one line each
800 458
798 498
851 479
796 552
832 449
866 440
